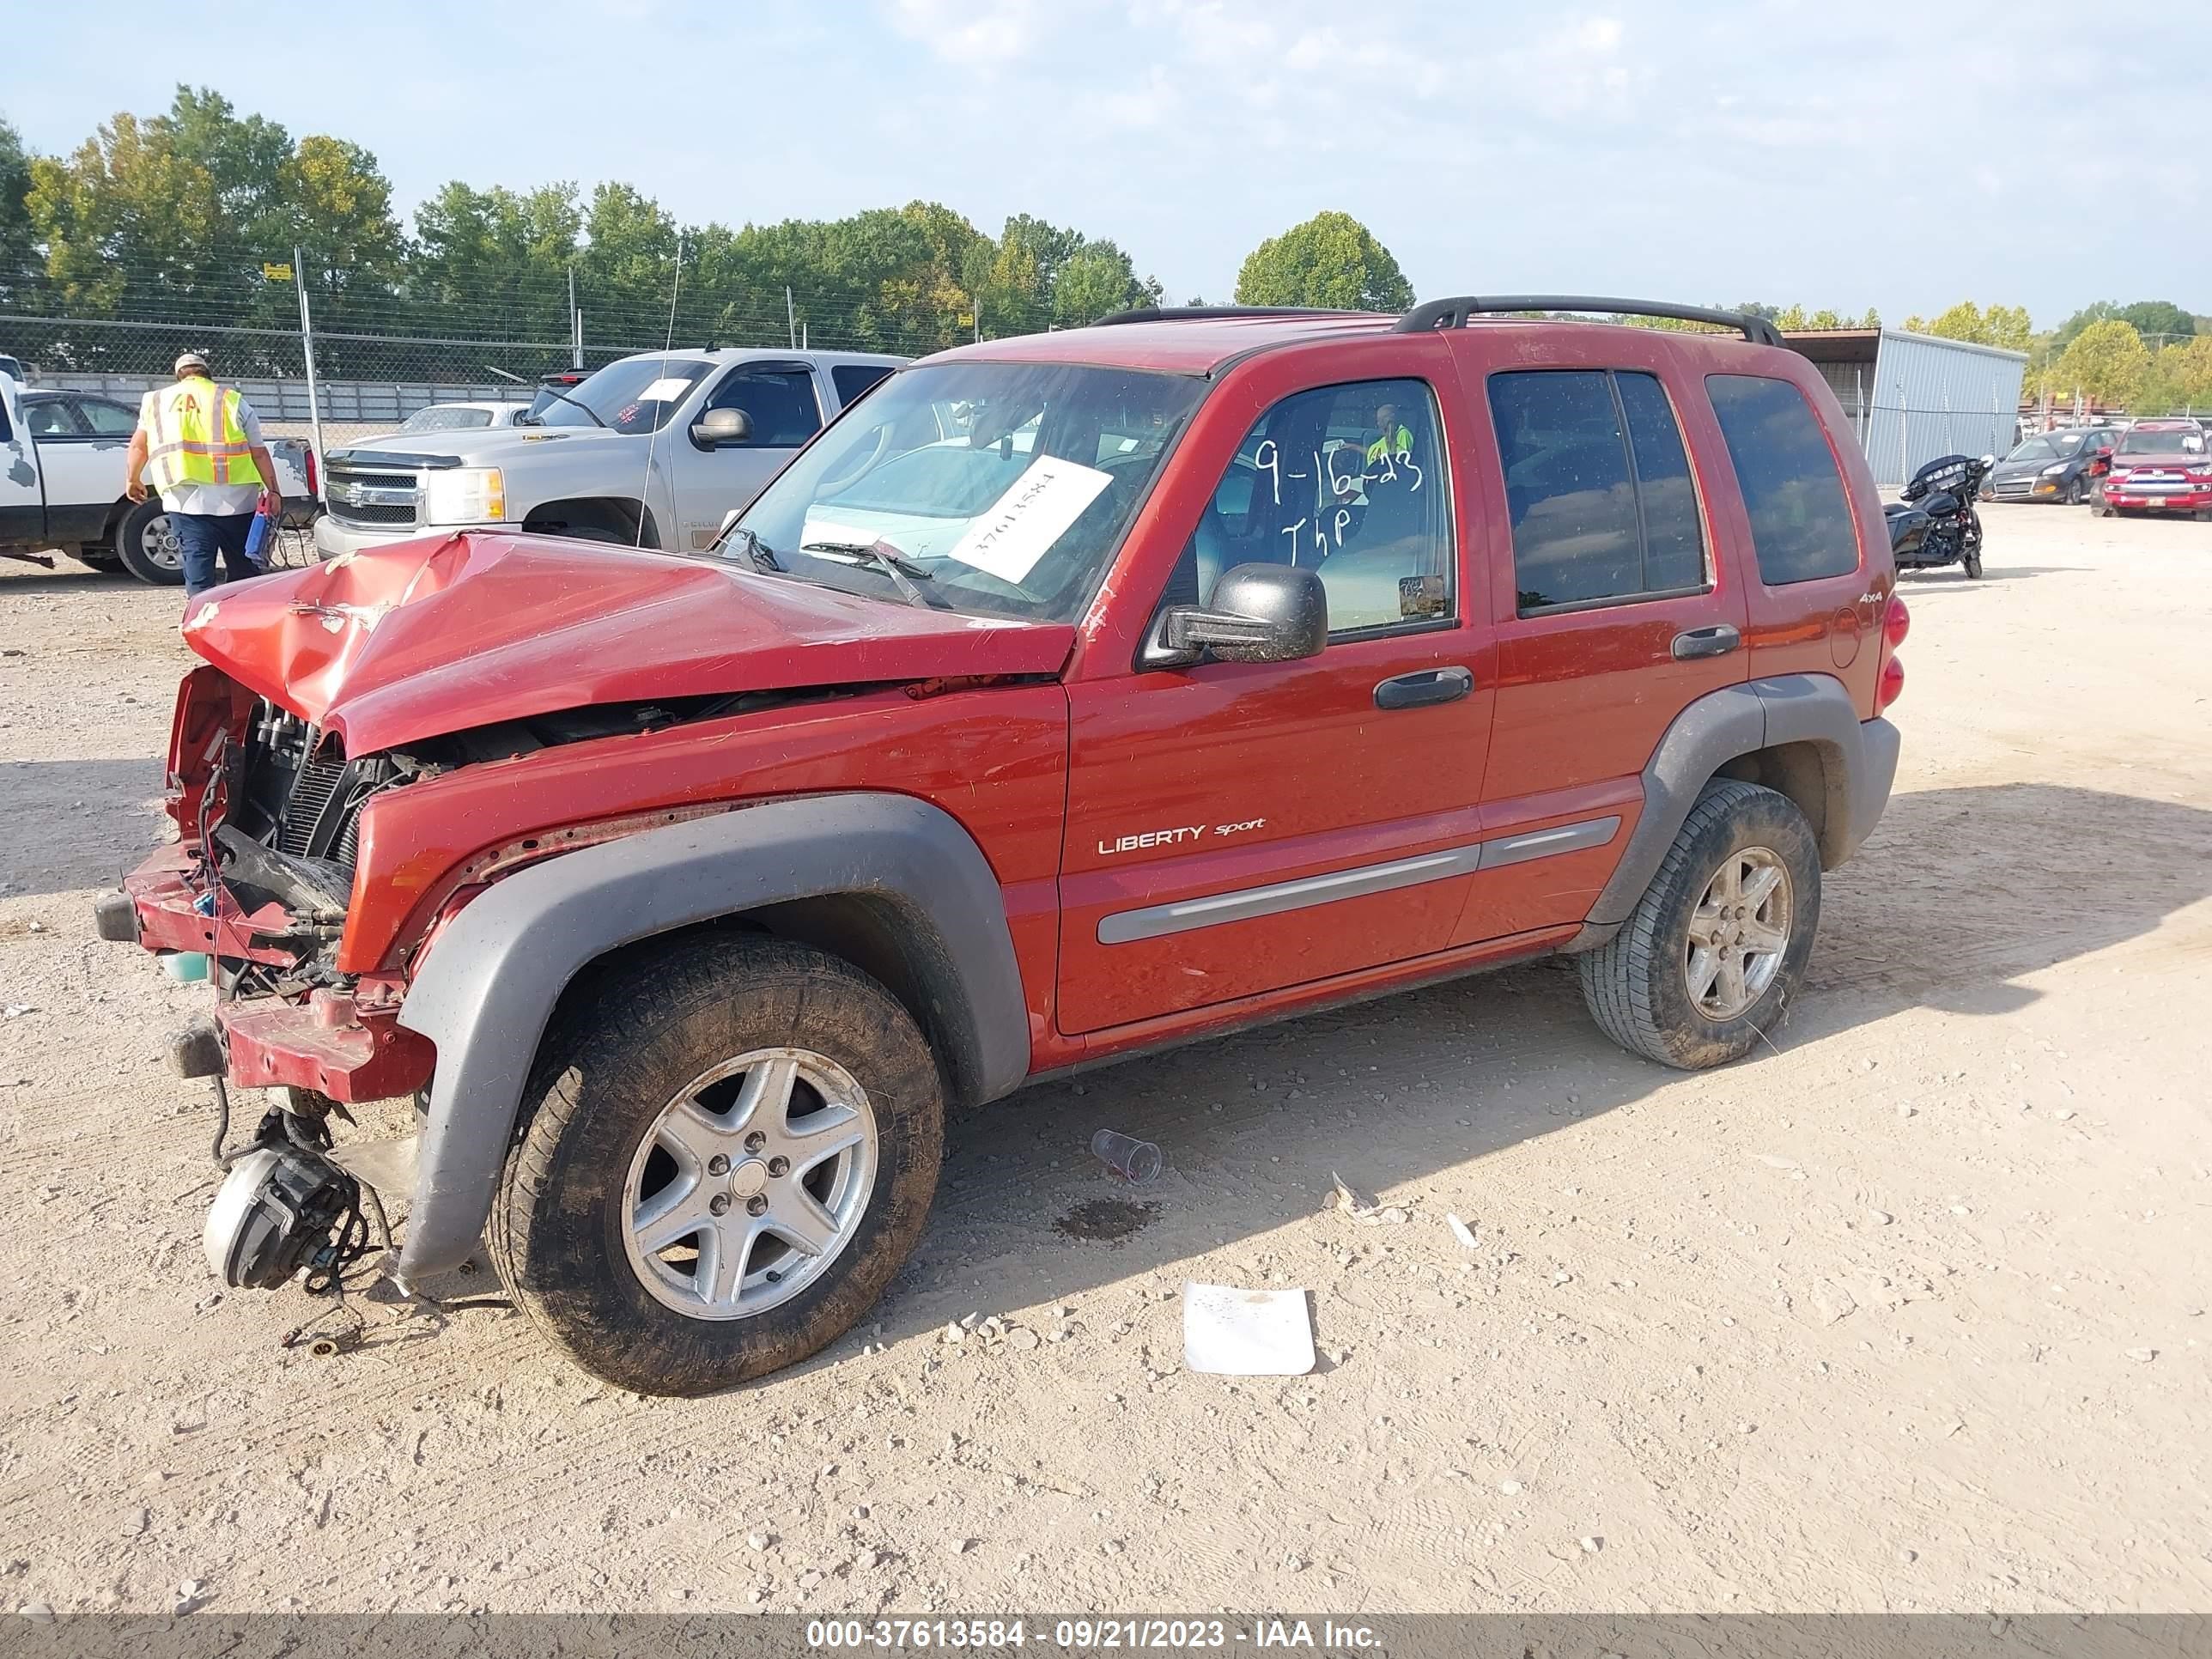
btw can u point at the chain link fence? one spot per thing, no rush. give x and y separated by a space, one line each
364 384
378 356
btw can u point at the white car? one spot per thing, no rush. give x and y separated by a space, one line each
64 459
453 417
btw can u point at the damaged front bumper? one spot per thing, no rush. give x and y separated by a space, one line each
345 1044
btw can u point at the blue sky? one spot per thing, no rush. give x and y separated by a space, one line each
1896 155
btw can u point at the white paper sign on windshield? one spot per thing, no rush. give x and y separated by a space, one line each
664 391
1009 538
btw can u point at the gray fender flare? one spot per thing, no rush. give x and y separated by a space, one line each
489 984
1858 763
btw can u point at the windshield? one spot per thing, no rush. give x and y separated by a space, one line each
637 394
2171 441
446 417
1002 488
2035 449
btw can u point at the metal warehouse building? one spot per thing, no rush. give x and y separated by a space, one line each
1912 396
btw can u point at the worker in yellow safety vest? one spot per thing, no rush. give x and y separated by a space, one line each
200 445
1395 440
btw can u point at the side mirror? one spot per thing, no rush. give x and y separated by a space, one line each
1258 613
719 427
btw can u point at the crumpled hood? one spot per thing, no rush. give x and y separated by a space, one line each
392 644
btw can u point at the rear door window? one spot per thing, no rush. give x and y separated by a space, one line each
1801 519
854 379
1598 488
104 419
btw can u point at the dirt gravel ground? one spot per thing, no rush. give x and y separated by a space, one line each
1907 1313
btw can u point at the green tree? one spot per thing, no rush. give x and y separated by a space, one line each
2106 363
2190 364
2097 311
338 211
497 260
1999 325
2158 317
174 217
18 241
2179 377
629 259
1096 279
1331 260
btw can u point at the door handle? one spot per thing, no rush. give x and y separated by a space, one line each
1715 641
1430 685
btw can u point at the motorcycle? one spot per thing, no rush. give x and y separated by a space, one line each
1935 524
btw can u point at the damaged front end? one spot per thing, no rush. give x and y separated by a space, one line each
253 896
257 888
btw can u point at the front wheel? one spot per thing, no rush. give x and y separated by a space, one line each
730 1150
1973 565
1716 949
148 546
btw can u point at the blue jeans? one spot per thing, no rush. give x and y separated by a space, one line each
201 536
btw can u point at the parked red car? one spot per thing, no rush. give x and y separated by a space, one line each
1071 696
2161 466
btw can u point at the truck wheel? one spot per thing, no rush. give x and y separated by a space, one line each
147 544
727 1152
1716 949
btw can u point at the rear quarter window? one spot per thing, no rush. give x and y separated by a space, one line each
1801 519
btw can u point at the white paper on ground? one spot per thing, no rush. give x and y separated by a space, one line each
1014 532
1229 1331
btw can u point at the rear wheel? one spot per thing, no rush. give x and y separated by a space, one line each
1716 949
147 547
728 1154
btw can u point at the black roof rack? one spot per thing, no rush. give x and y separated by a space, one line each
1454 313
1199 313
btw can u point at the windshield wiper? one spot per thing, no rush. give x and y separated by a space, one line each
897 569
551 391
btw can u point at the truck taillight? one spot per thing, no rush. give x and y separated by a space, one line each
1896 622
1891 686
314 481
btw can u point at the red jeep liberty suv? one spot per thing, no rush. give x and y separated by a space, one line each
1066 697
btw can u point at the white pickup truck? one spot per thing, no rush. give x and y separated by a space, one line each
64 464
653 450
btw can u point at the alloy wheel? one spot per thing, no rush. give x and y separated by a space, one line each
160 543
1738 933
749 1184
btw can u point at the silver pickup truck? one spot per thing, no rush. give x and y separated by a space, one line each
651 450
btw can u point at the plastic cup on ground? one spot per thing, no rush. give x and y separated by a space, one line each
1135 1161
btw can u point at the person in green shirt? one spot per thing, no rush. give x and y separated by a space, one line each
1395 439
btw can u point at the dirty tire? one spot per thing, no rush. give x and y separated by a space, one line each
1635 986
639 1034
138 555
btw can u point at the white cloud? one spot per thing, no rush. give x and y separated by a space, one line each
981 34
